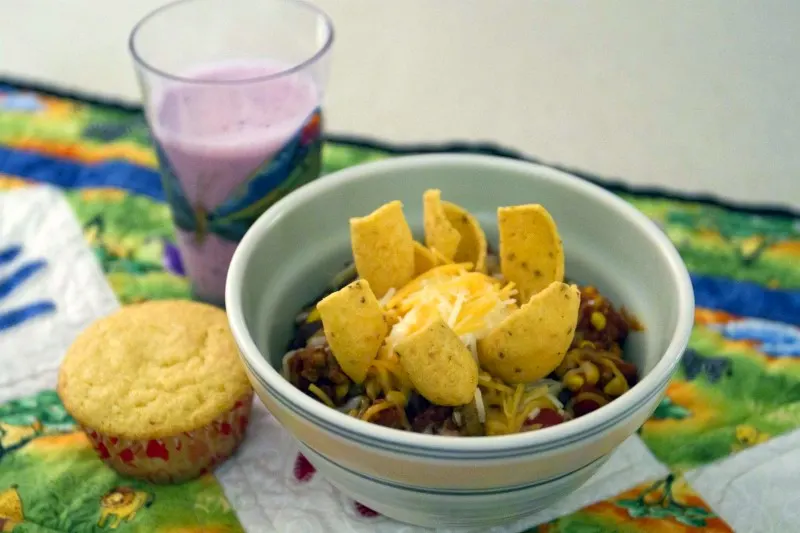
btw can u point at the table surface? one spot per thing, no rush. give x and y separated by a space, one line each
692 96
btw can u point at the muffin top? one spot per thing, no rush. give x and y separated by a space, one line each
152 370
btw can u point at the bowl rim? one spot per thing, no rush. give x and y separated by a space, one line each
409 442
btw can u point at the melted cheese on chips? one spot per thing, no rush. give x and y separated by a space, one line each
470 303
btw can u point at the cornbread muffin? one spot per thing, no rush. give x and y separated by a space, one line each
159 389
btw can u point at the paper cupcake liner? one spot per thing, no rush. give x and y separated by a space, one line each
178 457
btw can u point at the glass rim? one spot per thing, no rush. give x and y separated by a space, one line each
319 53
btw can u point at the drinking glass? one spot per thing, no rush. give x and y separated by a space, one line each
232 93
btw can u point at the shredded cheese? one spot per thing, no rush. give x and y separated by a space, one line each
387 297
471 303
555 401
471 342
316 341
376 408
479 406
533 414
319 393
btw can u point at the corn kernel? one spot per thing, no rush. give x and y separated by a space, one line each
573 380
598 320
313 316
590 373
616 387
396 397
342 390
372 389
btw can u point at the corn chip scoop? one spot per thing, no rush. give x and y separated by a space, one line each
383 248
439 365
424 259
491 340
531 253
531 343
354 326
439 231
472 246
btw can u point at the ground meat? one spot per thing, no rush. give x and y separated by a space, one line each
316 365
391 418
306 365
449 428
432 419
615 326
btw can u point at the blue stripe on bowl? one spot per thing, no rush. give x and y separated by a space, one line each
452 455
461 492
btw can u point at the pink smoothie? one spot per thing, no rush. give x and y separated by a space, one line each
215 135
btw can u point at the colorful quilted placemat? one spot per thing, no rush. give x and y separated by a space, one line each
84 229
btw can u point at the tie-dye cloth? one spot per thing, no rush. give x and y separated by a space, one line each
84 228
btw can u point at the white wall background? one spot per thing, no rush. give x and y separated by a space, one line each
687 94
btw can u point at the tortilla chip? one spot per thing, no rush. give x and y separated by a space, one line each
440 258
531 253
383 248
532 341
354 326
438 364
472 246
439 232
424 259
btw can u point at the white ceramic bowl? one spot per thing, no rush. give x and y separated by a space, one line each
291 253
